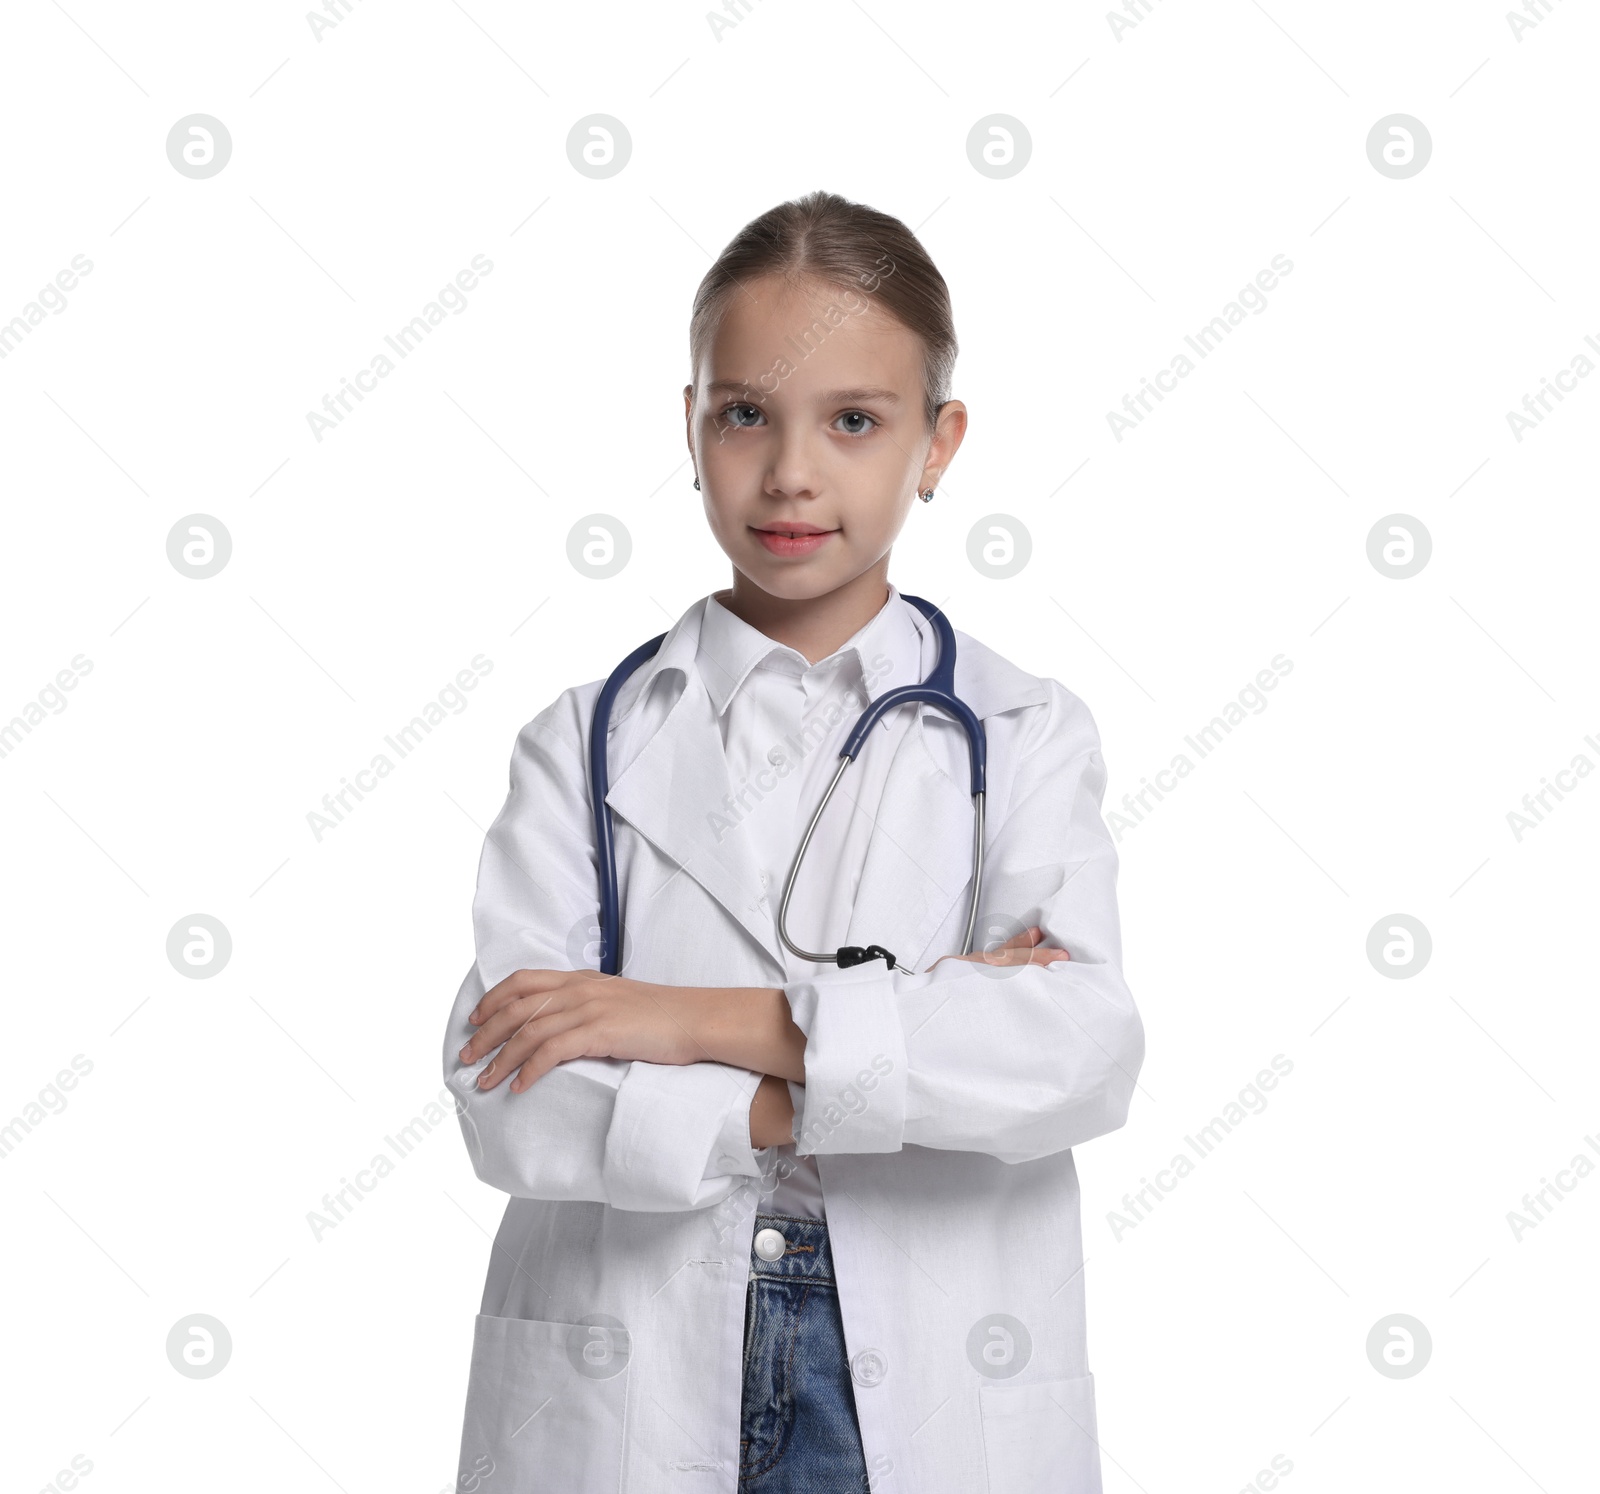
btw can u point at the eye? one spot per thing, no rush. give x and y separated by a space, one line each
858 415
729 413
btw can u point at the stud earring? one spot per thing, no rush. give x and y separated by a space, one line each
697 484
926 497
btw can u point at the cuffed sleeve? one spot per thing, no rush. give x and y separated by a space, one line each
632 1134
1015 1061
854 1097
797 1103
678 1132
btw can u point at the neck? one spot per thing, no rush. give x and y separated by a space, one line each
813 626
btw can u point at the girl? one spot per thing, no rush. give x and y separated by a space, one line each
777 1225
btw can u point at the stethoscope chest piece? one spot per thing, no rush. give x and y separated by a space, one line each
860 954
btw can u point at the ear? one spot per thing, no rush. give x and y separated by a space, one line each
948 432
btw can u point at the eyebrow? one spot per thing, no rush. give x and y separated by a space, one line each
834 397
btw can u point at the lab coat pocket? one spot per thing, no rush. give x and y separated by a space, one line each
1040 1438
545 1405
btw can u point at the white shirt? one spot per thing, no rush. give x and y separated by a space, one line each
783 721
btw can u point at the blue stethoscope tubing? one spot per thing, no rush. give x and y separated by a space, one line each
938 689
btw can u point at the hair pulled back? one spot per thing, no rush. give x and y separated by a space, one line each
826 237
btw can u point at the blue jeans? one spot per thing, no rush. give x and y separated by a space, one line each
798 1431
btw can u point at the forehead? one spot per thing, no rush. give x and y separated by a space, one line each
818 336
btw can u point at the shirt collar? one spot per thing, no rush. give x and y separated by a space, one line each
988 682
885 653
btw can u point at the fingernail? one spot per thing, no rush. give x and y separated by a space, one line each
463 1054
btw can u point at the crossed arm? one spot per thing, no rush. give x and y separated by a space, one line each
540 1018
657 1098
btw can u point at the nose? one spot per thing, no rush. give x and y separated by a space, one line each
796 469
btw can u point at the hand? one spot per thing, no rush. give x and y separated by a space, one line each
539 1018
1020 949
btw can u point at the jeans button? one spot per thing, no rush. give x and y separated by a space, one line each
770 1245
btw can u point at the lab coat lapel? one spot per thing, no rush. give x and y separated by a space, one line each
676 792
919 856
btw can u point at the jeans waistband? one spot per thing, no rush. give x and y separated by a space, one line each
807 1254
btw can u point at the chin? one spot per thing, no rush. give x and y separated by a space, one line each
784 580
791 583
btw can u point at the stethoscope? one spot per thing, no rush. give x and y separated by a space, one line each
937 690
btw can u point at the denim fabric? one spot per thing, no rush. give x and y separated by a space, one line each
798 1432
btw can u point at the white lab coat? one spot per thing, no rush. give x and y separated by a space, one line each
941 1106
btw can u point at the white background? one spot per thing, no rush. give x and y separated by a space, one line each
1167 167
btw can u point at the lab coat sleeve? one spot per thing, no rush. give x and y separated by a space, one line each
632 1134
1018 1062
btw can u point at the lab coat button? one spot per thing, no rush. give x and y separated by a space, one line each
770 1244
869 1367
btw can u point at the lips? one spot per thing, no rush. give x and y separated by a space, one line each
794 539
